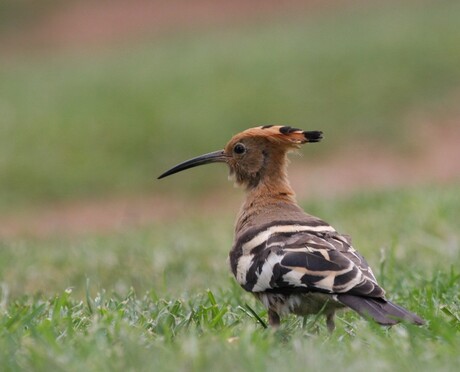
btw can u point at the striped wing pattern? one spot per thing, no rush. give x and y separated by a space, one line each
300 257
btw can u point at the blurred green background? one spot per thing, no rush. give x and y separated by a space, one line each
81 121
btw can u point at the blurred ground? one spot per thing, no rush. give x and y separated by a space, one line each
89 24
432 157
361 167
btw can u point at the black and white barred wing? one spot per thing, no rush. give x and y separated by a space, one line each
286 258
324 269
304 261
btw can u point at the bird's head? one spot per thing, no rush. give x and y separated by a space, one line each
255 154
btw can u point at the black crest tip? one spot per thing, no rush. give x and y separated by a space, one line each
313 136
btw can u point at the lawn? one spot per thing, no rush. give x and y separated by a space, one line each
162 297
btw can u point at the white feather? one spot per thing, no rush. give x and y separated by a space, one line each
265 235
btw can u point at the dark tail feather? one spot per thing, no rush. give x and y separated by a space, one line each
382 311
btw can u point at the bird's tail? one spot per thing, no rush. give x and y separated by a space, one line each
382 311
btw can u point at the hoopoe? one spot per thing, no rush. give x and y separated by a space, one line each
291 261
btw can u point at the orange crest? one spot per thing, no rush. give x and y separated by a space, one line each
283 134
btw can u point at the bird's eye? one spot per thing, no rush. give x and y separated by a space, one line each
239 149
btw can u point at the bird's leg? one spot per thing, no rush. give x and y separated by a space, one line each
330 322
273 318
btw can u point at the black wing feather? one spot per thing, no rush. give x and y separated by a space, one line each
318 262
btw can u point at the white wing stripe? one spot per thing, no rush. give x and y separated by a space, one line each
265 235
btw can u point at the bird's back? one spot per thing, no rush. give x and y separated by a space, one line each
299 263
296 252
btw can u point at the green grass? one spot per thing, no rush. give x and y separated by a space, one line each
162 297
82 125
210 331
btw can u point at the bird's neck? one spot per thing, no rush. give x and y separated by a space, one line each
265 201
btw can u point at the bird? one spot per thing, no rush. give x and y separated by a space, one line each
291 261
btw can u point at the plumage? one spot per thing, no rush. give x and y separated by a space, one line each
291 261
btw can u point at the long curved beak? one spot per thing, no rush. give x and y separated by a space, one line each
212 157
